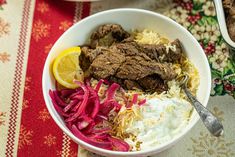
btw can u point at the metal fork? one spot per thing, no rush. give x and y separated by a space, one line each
210 121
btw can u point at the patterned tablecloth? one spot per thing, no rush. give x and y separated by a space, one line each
29 28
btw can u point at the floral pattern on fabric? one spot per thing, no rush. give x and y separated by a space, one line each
47 48
49 140
208 145
2 2
43 7
40 30
2 118
25 104
27 83
218 113
64 25
44 115
25 137
199 17
4 27
4 57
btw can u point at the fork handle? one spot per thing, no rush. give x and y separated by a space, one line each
210 121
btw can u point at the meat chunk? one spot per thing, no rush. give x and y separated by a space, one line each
128 48
84 62
130 84
117 80
153 83
162 53
177 53
229 8
106 64
114 55
91 54
88 55
107 34
137 67
231 27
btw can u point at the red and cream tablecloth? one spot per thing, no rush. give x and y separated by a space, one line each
29 28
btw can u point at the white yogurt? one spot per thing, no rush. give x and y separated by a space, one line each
162 120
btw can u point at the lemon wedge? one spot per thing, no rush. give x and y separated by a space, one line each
66 67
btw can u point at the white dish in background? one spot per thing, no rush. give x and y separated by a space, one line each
222 23
129 19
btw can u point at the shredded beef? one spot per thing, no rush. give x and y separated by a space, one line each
137 67
155 52
132 65
107 34
106 64
130 84
153 83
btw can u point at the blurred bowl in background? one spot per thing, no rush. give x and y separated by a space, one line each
222 24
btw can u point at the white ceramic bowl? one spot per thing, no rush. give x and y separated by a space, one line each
129 19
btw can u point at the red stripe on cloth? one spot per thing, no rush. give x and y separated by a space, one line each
17 80
39 134
86 9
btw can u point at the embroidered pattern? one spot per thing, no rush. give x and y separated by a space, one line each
4 28
25 104
43 7
44 115
208 145
64 25
25 137
2 118
47 48
27 83
49 140
4 57
40 30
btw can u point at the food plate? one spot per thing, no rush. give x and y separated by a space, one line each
78 34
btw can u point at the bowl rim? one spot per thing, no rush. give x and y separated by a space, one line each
159 147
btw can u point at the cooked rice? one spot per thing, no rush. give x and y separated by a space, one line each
149 37
126 116
185 66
